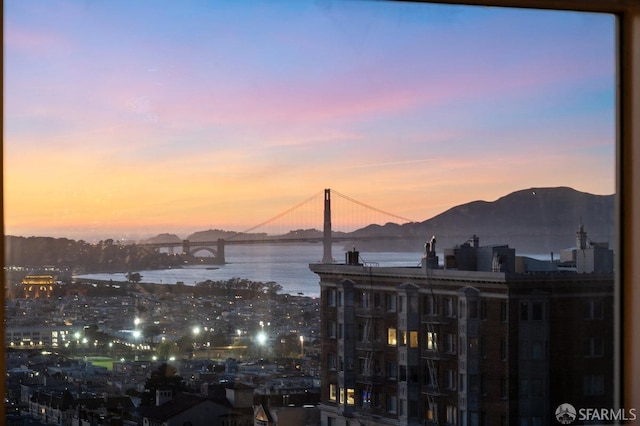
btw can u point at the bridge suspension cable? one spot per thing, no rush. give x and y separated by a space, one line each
284 213
346 197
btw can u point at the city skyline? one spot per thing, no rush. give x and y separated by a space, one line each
134 119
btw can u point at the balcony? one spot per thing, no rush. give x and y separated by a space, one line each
436 355
370 378
432 390
370 312
369 345
436 319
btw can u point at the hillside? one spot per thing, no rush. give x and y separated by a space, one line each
534 221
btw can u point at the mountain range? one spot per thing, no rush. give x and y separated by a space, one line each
533 221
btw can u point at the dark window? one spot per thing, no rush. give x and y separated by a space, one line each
524 311
537 311
503 311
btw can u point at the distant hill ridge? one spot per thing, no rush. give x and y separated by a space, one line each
534 221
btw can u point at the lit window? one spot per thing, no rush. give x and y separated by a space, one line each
333 392
413 339
351 396
392 338
432 344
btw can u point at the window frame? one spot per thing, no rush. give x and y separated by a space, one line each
627 320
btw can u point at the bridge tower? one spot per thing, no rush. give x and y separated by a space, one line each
327 240
220 252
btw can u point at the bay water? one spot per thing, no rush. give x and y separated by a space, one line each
285 264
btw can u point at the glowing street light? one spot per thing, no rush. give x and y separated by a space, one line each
136 334
302 346
262 338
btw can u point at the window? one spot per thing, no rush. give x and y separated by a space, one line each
537 350
331 329
331 297
392 404
364 299
390 302
432 341
450 379
366 399
503 350
503 311
473 346
503 387
593 310
462 309
341 393
450 343
364 366
340 298
392 338
340 331
524 311
474 383
413 339
351 396
404 340
593 385
402 302
429 305
451 417
333 392
537 311
448 307
331 361
594 347
392 370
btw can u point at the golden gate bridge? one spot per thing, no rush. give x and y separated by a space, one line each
283 233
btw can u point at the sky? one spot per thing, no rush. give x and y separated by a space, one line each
128 119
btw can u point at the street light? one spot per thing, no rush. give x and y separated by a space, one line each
136 334
302 346
196 332
262 339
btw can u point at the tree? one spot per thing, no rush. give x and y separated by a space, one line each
134 277
165 377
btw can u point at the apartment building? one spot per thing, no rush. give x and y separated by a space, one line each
474 341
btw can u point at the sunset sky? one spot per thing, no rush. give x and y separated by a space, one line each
126 119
